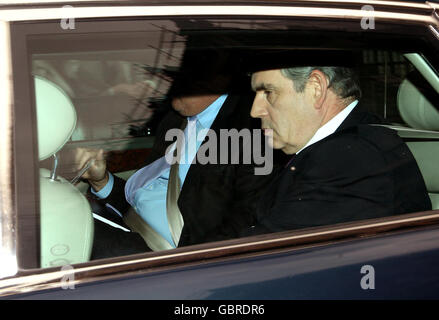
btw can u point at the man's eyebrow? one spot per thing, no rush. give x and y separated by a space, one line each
262 86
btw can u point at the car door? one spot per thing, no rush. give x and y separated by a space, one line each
115 64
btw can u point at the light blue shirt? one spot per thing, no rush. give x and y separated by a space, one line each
149 198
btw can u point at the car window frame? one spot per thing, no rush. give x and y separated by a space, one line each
27 226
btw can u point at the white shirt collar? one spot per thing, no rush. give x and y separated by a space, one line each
332 125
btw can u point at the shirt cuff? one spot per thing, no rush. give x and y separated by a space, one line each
105 191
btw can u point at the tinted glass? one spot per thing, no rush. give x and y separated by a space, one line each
119 84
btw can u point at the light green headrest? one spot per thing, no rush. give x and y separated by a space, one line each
56 117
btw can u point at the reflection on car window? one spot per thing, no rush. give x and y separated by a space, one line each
106 89
113 90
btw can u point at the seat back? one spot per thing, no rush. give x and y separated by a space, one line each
65 214
423 140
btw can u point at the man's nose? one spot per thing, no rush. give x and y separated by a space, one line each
258 109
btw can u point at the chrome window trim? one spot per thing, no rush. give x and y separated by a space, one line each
434 31
36 14
400 3
433 4
8 254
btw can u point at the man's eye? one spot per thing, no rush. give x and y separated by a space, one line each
269 95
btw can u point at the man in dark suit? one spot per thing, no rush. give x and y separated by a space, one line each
341 168
216 200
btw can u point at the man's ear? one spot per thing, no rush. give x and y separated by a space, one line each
318 85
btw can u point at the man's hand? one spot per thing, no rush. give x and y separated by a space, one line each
97 174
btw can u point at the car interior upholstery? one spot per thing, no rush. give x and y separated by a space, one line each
422 139
65 214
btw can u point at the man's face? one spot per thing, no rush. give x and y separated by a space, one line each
189 106
289 117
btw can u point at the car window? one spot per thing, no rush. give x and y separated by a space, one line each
115 86
112 89
409 104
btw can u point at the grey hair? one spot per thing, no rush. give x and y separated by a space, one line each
342 81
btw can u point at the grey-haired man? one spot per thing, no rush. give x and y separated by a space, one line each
342 168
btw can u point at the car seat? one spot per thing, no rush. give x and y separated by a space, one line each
423 140
65 214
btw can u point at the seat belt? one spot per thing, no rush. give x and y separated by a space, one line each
152 238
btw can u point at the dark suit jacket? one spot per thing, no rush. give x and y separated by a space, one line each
359 172
218 200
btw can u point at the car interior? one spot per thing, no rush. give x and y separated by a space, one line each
422 117
123 122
